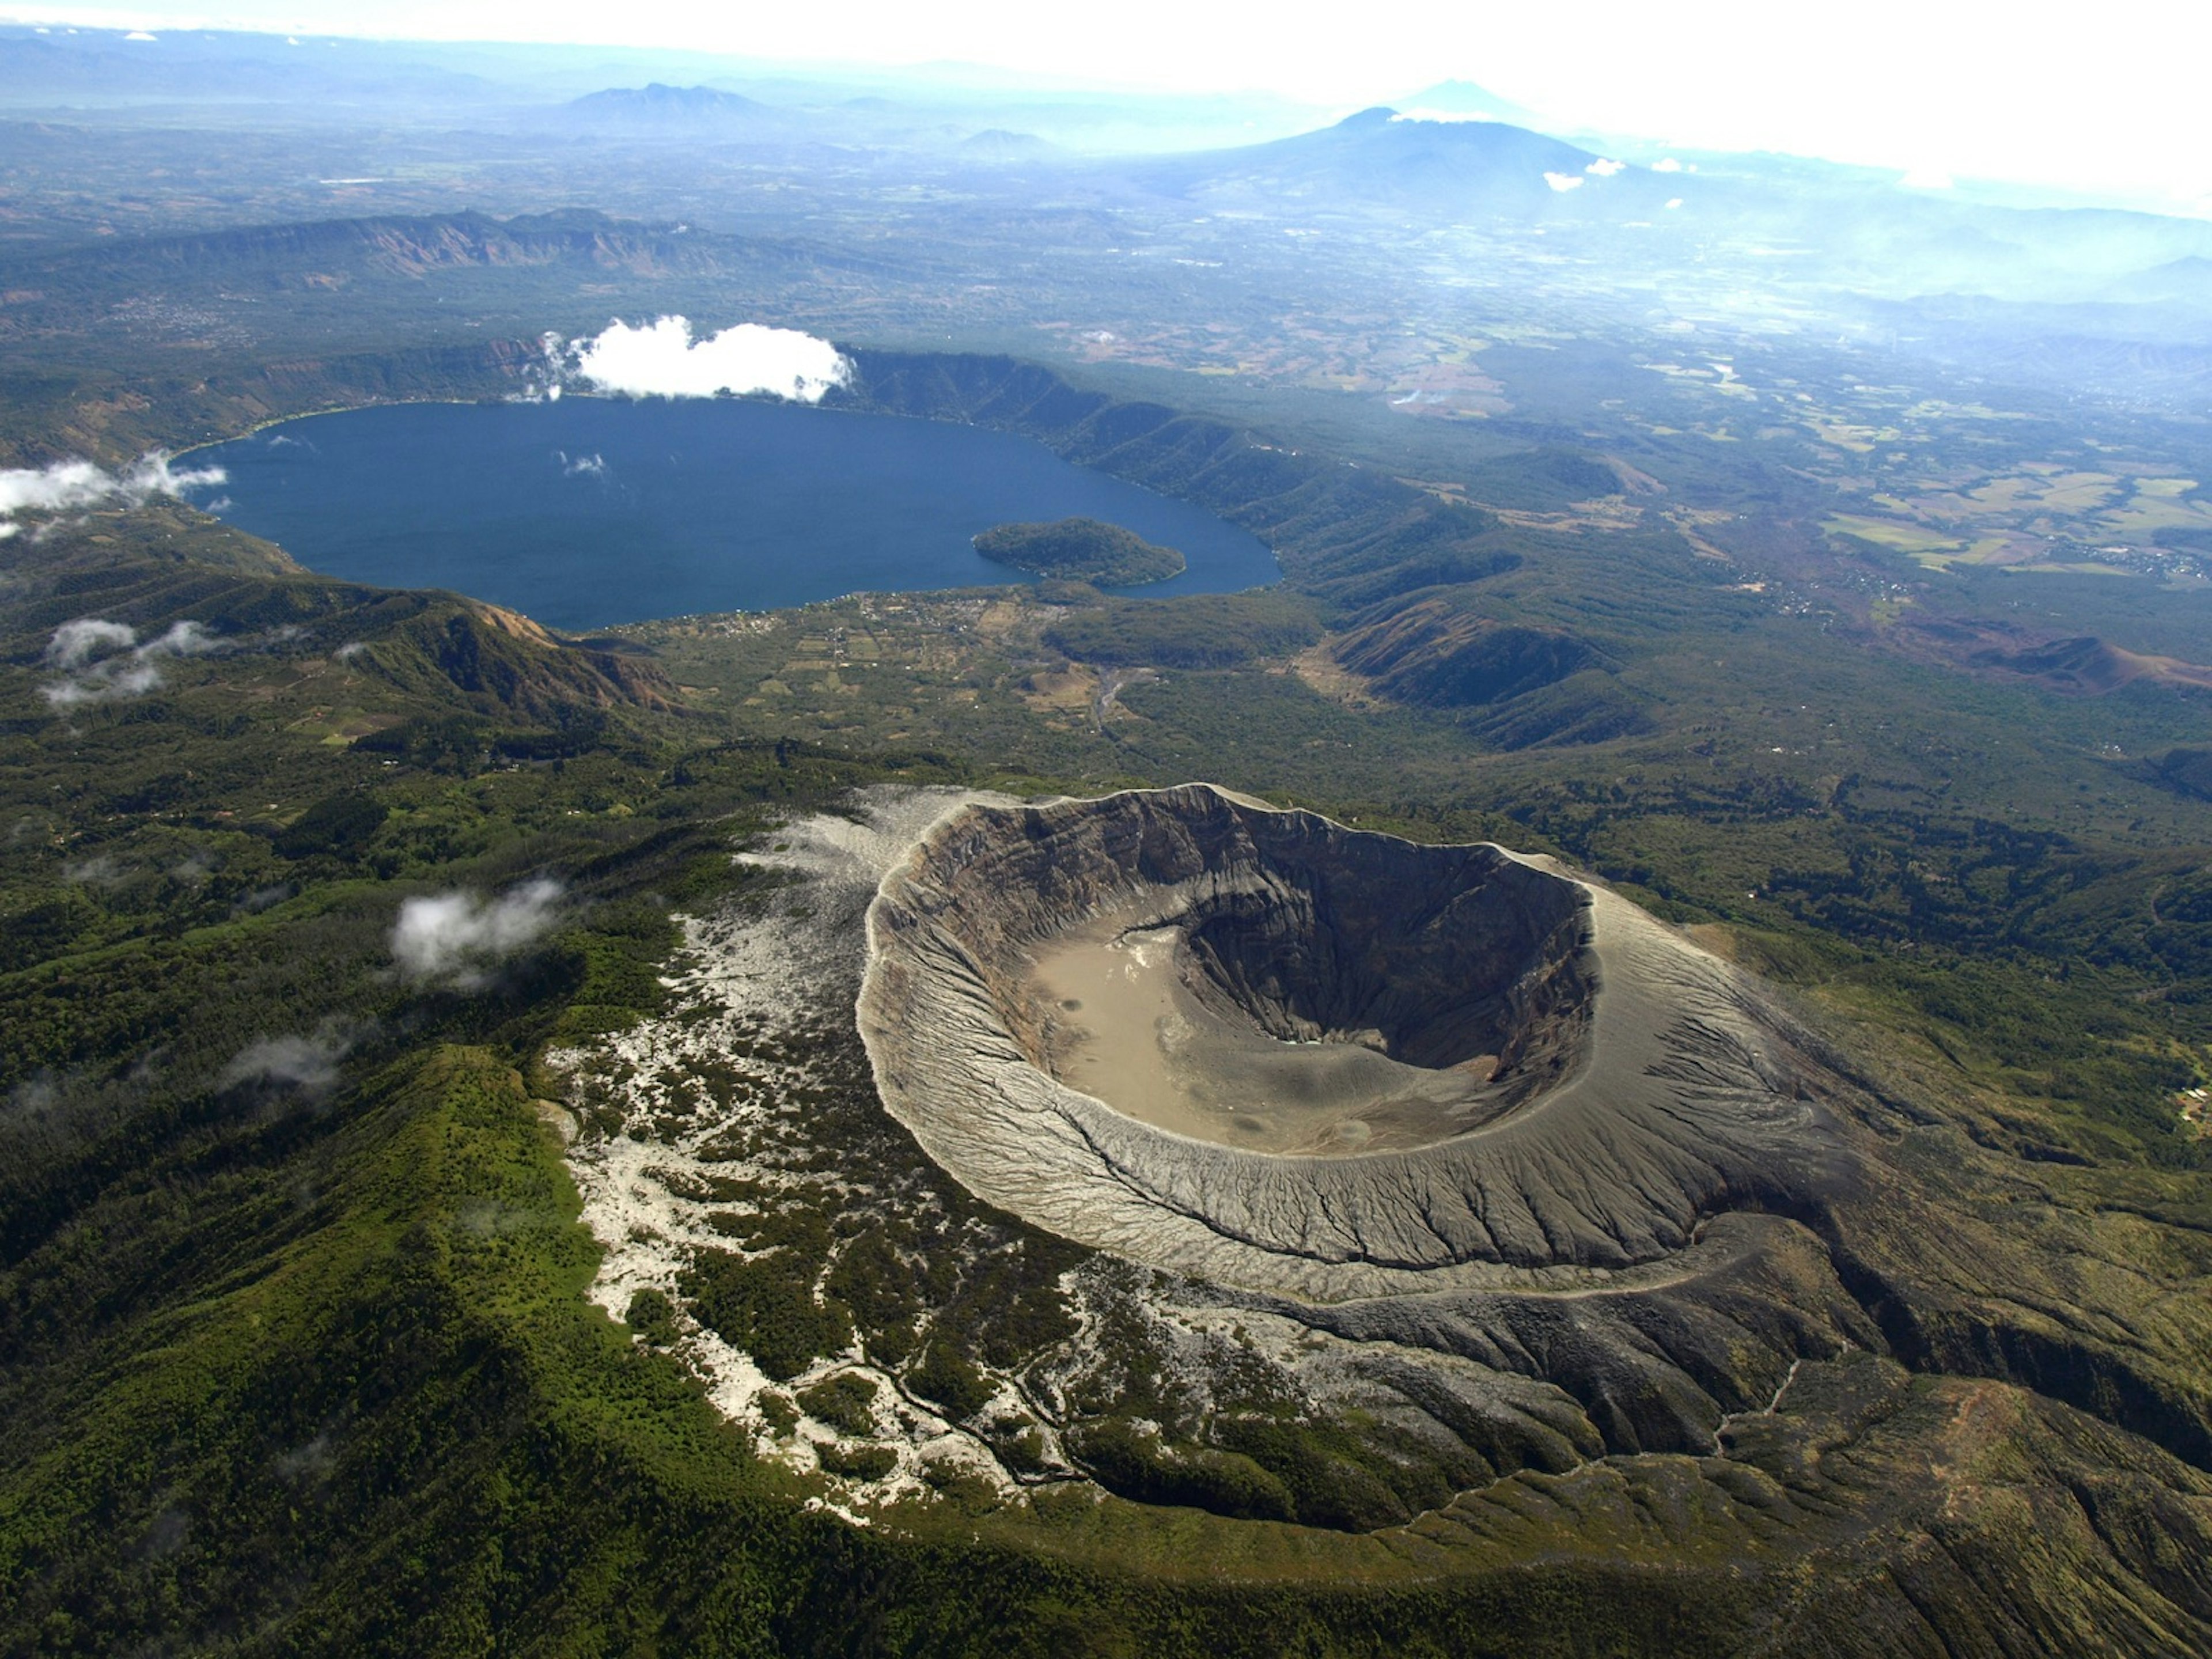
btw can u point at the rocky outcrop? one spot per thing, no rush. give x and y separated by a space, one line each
1640 1086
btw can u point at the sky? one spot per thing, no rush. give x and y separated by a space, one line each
2109 102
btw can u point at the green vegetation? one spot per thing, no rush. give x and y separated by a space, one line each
859 1463
652 1316
1202 631
842 1402
295 1352
766 1306
1080 550
1137 1464
950 1381
1439 654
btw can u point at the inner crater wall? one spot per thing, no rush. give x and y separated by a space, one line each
1435 956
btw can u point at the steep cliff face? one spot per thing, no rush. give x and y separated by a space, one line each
1343 534
1436 654
1614 1084
506 661
338 252
1282 930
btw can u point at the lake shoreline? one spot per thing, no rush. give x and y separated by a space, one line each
570 508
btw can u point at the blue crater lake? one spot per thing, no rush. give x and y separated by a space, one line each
590 512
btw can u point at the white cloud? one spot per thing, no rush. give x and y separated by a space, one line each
154 476
662 360
1667 164
455 937
76 643
76 486
141 35
58 488
1564 182
309 1064
261 898
184 639
1673 201
1605 166
102 682
102 660
35 1095
1926 178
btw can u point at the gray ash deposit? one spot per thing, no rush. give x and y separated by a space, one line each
1267 1050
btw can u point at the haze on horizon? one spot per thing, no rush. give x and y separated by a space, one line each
1941 90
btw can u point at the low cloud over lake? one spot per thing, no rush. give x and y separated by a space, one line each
662 360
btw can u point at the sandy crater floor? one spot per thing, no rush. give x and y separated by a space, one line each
1121 1024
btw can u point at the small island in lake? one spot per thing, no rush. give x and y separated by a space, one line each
1080 550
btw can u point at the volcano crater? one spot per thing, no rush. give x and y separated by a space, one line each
1274 987
1267 1049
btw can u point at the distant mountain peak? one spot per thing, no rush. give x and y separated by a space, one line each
998 144
657 105
1373 156
1462 100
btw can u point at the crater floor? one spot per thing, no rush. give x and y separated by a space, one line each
1122 1023
1128 1011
